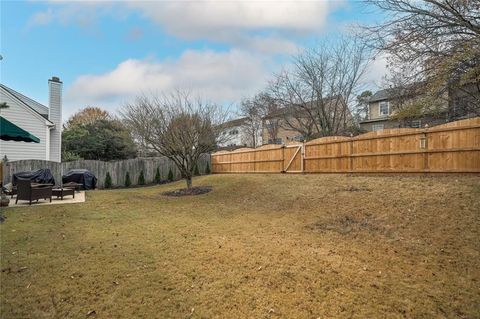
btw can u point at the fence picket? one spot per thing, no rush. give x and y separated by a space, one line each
451 147
117 169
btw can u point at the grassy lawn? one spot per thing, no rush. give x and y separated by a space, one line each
257 246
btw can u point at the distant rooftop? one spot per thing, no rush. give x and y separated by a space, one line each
381 95
233 123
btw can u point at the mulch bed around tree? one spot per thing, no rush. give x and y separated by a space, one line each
196 190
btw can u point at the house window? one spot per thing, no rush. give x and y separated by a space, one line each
416 124
384 108
233 132
298 138
378 127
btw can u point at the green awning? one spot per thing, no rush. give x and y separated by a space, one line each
11 132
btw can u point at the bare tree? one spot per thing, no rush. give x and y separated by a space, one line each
176 126
252 124
315 93
433 42
269 110
410 97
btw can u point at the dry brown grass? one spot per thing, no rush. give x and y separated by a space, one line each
257 246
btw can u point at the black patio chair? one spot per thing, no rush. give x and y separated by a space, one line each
27 191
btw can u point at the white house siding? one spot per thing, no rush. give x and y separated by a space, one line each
55 116
242 138
28 120
230 139
42 109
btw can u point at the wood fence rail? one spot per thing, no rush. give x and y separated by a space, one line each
117 169
451 147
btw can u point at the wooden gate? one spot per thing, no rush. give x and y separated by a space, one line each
448 148
293 158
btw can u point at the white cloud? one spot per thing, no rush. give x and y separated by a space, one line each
41 18
265 25
84 14
222 77
192 19
263 44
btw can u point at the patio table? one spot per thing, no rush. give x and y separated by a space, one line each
62 191
74 185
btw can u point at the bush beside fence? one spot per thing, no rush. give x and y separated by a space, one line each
117 169
451 147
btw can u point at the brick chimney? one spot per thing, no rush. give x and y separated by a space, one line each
55 116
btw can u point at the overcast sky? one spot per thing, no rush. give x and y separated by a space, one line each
107 52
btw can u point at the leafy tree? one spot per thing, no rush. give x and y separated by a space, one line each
361 109
88 115
196 172
141 178
68 156
170 175
157 176
207 169
128 182
99 140
108 180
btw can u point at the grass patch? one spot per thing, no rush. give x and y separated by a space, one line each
256 246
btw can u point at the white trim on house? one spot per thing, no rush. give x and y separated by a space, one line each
380 113
47 142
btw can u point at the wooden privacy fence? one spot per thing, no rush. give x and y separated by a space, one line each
451 147
117 169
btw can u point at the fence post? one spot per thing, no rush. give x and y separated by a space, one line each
302 158
350 157
424 148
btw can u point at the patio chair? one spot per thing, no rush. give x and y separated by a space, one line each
25 191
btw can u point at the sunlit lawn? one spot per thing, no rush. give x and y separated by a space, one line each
257 246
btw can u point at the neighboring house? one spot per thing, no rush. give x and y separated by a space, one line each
235 134
277 122
39 120
381 110
284 135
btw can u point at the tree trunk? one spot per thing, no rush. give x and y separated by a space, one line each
188 179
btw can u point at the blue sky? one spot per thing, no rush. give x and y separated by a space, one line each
107 52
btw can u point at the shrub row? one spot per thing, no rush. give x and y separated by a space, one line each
157 179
